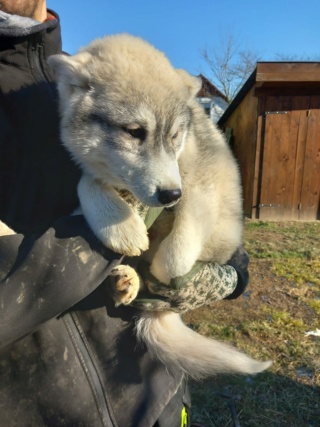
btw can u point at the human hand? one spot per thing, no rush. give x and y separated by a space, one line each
240 261
205 284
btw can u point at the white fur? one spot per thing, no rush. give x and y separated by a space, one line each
113 217
183 349
5 230
108 90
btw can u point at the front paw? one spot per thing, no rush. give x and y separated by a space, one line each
112 220
128 238
125 284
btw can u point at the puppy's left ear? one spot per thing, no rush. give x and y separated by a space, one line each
192 83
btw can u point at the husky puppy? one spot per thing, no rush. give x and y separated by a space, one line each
133 124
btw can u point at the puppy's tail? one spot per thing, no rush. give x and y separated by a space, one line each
178 347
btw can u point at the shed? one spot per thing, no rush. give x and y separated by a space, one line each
213 101
275 125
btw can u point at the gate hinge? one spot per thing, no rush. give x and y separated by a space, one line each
276 112
267 205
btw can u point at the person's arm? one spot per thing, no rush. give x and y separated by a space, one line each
206 283
42 277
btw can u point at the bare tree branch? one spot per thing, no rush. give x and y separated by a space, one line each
229 64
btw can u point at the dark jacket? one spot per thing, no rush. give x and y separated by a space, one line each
67 356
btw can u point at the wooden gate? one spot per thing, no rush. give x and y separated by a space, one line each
289 178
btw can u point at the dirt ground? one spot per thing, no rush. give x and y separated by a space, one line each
284 274
265 288
271 320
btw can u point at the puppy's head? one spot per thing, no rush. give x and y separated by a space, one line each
125 115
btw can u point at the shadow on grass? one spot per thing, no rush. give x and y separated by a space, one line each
266 400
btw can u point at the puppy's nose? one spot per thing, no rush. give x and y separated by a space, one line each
166 197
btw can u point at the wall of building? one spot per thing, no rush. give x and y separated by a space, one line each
243 123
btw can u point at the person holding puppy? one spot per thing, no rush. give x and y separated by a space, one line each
68 357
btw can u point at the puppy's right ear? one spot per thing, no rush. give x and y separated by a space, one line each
71 70
192 83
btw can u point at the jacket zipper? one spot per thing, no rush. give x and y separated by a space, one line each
36 59
89 368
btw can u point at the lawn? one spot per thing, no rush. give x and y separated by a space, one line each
278 318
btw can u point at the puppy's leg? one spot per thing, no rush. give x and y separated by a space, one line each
193 227
179 251
125 284
111 219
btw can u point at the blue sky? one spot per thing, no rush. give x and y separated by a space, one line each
181 28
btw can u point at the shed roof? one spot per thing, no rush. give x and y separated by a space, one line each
209 90
270 76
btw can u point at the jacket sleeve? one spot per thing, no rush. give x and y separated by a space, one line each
43 276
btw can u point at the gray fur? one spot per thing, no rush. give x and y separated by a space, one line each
15 21
131 121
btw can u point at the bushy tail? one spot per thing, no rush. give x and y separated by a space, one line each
178 347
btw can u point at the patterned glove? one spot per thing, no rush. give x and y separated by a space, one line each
203 285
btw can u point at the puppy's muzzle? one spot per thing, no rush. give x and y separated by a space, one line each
169 197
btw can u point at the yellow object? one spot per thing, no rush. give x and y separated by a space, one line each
184 417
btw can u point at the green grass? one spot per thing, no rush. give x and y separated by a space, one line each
279 240
272 321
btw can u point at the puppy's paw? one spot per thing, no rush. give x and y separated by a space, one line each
5 230
125 283
112 220
128 238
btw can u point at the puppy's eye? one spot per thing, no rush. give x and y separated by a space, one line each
137 133
175 136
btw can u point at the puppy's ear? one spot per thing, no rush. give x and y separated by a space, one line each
71 70
192 83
